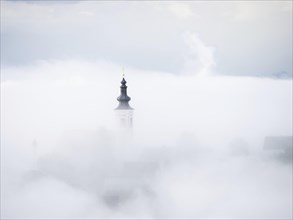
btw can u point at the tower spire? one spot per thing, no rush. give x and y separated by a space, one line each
123 99
124 111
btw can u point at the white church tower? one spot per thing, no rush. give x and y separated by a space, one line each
124 111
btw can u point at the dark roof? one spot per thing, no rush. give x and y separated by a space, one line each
123 99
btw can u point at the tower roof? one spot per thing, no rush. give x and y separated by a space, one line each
123 99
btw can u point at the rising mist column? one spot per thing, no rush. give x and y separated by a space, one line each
124 111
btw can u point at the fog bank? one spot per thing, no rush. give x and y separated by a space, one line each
196 149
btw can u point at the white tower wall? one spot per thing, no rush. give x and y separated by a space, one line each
125 118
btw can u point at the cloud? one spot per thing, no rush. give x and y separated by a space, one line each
200 59
180 10
149 36
70 161
196 149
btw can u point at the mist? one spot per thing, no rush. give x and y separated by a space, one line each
196 149
211 87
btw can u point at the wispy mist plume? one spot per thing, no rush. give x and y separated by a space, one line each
200 59
196 151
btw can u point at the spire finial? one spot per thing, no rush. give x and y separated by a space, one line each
123 72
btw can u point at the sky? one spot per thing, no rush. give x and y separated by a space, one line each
209 83
245 37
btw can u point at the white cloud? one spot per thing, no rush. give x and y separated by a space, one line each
200 59
252 11
61 154
147 35
179 163
180 10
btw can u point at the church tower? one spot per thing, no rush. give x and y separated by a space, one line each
124 111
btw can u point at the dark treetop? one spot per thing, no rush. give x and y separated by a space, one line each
123 98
